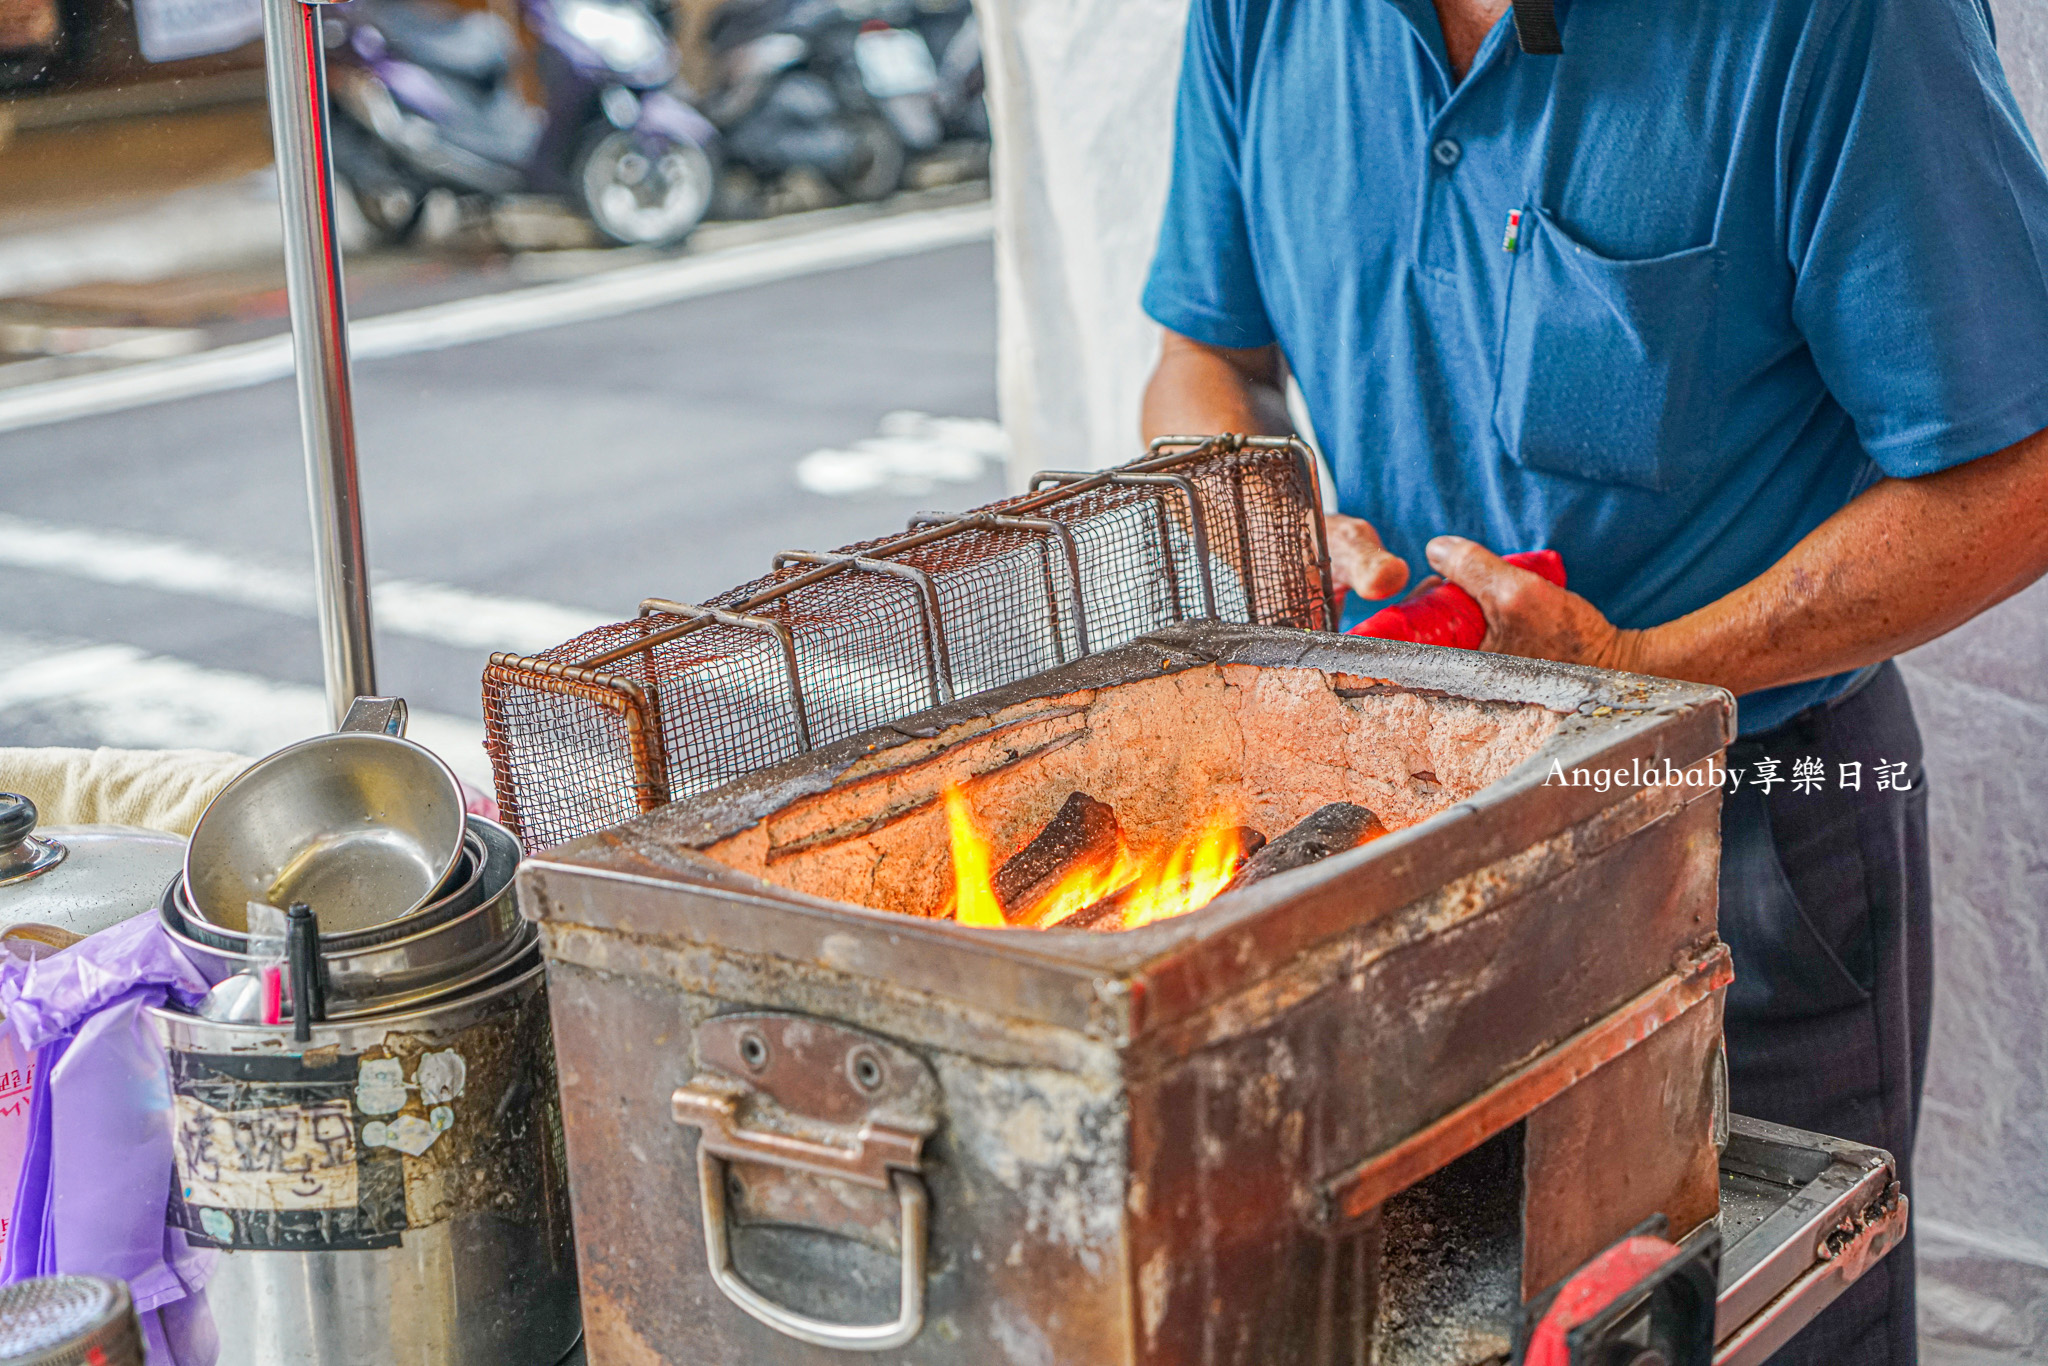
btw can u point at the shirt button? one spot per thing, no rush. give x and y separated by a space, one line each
1447 151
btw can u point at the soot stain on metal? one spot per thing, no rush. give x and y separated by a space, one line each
1049 1137
479 1160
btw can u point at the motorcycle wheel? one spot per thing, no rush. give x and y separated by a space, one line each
875 169
391 210
637 200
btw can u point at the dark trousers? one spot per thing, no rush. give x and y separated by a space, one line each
1826 904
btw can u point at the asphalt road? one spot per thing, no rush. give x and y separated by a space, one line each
653 453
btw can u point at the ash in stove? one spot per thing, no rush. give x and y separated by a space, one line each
1451 1262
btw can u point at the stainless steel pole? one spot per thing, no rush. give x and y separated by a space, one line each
296 75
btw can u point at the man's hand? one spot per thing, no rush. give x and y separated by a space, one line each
1359 563
1526 614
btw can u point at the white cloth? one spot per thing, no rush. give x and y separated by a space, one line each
157 789
172 30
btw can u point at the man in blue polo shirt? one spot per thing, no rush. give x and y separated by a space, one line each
1740 305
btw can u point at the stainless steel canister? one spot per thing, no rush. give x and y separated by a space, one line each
390 1194
68 1321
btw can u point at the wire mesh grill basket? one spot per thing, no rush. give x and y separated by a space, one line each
687 696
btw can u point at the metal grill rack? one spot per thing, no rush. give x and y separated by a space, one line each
687 696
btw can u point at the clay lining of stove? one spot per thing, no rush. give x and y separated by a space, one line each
1272 744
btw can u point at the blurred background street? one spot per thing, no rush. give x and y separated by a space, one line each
552 425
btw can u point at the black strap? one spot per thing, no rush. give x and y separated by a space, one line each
1536 27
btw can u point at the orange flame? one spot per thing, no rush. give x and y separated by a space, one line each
1192 874
974 894
1081 888
1149 885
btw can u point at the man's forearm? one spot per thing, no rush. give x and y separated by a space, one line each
1903 563
1201 390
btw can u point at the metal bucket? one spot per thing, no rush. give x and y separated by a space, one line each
391 1194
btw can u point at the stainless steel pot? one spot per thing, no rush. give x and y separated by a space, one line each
362 825
407 1205
79 879
442 959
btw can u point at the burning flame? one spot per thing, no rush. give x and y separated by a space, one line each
974 893
1192 874
1149 885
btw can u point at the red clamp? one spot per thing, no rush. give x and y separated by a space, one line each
1591 1289
1644 1299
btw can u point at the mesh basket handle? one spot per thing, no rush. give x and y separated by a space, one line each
927 603
701 616
1058 530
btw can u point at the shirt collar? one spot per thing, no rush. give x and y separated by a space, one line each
1421 16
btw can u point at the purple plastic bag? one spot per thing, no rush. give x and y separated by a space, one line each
48 998
97 1173
27 1246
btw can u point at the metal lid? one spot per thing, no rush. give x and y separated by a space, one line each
22 855
68 1321
95 876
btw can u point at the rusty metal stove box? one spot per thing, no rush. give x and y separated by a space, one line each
1175 1144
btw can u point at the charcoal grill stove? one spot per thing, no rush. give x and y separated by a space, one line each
1376 1109
1358 1112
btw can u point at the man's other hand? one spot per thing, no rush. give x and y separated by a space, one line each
1359 563
1526 614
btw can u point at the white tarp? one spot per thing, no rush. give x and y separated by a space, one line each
1982 696
1082 97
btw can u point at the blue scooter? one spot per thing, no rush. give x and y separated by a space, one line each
423 99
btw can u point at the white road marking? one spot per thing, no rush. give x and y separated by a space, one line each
123 697
450 616
506 314
911 453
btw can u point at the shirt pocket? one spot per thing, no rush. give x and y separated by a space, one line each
1607 367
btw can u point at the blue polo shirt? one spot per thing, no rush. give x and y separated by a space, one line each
1767 251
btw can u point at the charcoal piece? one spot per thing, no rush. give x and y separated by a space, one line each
1105 915
1082 835
1325 831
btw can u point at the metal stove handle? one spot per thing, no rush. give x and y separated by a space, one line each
847 1337
877 1154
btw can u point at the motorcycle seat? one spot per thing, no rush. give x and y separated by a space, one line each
468 44
742 21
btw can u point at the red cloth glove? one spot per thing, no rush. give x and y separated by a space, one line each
1446 614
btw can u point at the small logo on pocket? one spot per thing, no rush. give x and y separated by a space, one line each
1512 240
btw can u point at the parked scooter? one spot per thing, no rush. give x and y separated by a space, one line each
953 34
424 99
838 87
